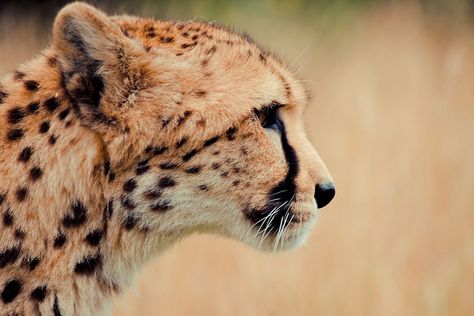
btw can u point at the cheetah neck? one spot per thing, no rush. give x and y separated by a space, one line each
62 238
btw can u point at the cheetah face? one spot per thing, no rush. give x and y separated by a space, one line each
202 130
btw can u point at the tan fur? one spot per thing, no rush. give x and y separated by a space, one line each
164 82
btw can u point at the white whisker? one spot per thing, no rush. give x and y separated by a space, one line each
301 54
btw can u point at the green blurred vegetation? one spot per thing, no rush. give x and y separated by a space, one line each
264 20
219 9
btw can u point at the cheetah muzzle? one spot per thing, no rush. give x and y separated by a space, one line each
126 135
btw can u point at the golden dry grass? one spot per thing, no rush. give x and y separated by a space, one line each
393 117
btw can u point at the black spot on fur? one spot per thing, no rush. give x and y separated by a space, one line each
165 122
159 150
59 240
212 50
162 206
203 187
143 162
183 118
44 127
127 202
19 234
181 142
88 265
166 39
110 208
94 237
21 194
3 96
33 107
130 185
8 218
39 293
2 198
15 134
52 140
30 263
51 104
190 154
230 134
15 115
25 154
11 290
211 141
106 167
225 174
150 34
36 173
31 85
77 217
193 170
168 165
9 256
166 182
130 222
111 176
148 149
62 116
187 45
152 194
142 169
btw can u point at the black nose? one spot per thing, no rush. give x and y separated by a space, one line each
324 193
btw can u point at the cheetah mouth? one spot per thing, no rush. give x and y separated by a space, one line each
273 218
278 213
280 225
285 219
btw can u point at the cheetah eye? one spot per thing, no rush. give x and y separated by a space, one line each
268 116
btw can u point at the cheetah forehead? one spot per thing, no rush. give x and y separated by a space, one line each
221 62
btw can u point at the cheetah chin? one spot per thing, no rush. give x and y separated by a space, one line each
127 134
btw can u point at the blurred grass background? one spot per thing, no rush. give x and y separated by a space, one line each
392 115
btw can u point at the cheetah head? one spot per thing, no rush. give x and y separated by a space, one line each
202 131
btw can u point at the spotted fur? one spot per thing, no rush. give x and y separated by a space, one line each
127 134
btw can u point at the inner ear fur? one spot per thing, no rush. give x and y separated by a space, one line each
94 55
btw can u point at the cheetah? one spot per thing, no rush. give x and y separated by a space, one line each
128 134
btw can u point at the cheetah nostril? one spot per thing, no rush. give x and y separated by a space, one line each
324 193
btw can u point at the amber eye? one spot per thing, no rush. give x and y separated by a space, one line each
268 117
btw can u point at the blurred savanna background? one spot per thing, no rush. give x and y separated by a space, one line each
392 115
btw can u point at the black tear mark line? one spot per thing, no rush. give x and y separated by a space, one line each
284 191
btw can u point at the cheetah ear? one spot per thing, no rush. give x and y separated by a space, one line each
94 55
